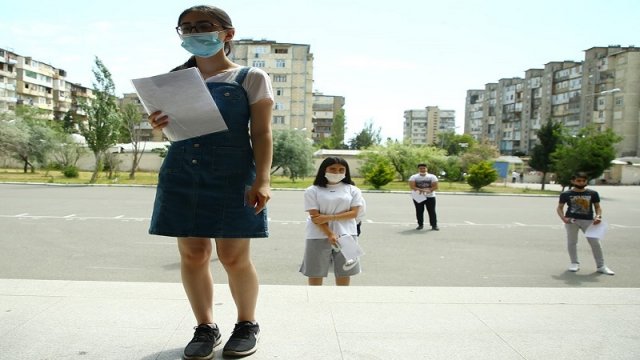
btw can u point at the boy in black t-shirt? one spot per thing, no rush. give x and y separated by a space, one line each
581 203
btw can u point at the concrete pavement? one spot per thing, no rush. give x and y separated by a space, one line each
123 320
64 319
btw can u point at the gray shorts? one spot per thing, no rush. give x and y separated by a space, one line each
318 257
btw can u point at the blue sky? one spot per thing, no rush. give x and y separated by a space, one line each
383 57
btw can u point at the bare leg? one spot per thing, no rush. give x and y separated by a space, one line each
313 281
343 280
235 256
195 255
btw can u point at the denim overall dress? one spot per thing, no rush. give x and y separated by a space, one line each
203 180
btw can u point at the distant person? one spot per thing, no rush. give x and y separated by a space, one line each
333 203
581 203
423 187
521 176
217 185
514 176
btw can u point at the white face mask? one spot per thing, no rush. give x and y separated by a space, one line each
334 178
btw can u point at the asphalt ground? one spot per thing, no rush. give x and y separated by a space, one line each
99 233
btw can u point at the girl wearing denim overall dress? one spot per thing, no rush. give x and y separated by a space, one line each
217 185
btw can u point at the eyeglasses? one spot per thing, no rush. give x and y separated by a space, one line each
199 27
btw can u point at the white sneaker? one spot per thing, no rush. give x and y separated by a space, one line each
605 270
573 267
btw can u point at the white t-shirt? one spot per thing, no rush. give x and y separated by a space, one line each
424 182
257 83
333 199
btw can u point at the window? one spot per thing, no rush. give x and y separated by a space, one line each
280 63
278 120
280 78
279 92
281 51
278 106
258 63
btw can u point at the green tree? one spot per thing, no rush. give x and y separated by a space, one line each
293 153
27 137
455 144
453 169
336 141
405 157
377 169
103 118
549 137
477 153
481 175
131 119
366 138
67 152
68 123
590 151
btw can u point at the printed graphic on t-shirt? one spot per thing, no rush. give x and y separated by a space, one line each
580 204
423 184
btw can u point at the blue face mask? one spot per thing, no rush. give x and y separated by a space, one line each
202 44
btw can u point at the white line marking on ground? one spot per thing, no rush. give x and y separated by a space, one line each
465 223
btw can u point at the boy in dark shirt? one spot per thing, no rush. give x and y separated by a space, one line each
581 203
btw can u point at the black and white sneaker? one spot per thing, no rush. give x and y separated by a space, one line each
243 341
205 339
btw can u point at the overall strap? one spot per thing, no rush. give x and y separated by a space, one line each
242 74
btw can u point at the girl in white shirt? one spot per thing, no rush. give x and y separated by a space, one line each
333 203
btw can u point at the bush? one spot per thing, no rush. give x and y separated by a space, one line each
380 174
481 175
71 172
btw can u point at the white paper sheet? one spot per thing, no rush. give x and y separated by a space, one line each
183 96
418 196
596 231
349 247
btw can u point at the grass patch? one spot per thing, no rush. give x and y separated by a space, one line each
279 182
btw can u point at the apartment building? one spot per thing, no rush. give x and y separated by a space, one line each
474 114
611 93
325 109
422 126
144 129
603 91
415 126
290 67
26 81
447 121
8 97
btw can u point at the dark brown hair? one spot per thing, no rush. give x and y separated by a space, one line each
322 181
220 16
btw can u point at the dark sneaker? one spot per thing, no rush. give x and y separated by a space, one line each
205 339
420 227
243 341
435 228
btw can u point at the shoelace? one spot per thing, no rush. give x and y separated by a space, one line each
243 330
203 334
